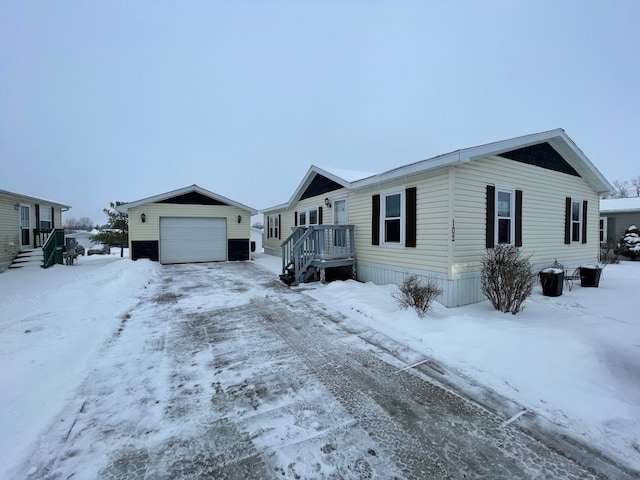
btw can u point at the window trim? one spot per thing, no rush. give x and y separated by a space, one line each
45 212
273 226
383 218
512 217
572 222
307 215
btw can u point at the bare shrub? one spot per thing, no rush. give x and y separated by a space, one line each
608 253
417 293
507 278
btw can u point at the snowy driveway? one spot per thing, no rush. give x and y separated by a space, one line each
221 372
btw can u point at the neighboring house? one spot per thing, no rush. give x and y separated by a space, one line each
437 217
25 224
188 225
616 215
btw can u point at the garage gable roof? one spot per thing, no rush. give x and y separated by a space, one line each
186 195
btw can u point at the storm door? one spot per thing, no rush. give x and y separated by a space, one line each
25 226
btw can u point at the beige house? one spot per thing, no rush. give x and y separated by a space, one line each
437 217
189 225
26 223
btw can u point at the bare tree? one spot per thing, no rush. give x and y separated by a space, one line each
635 184
620 189
70 224
85 223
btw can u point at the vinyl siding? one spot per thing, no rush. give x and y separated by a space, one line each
619 222
150 230
432 225
543 212
9 238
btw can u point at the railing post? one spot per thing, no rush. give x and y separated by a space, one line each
320 242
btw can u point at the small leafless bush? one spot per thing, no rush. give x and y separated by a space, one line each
417 293
608 253
507 278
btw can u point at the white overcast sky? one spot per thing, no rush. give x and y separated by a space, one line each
121 100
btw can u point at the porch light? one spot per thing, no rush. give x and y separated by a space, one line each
327 202
143 217
239 218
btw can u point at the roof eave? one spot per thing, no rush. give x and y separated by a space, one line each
124 208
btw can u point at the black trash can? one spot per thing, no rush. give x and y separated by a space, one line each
590 276
552 280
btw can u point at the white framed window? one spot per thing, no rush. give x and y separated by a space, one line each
576 220
45 218
307 218
392 218
274 226
603 230
505 216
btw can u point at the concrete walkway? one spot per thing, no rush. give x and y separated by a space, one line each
221 372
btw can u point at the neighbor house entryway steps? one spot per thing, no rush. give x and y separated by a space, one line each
28 258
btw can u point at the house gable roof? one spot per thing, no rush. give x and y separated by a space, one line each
558 139
191 195
27 198
551 149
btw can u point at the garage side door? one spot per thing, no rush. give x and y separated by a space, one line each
192 239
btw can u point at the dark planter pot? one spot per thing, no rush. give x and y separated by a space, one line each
590 276
552 283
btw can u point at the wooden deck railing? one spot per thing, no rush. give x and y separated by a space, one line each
322 243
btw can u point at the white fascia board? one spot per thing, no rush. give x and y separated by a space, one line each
282 206
583 166
496 148
27 198
454 158
181 191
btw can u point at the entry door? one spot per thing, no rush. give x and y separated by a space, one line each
25 226
340 212
340 218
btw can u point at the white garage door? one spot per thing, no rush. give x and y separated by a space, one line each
192 239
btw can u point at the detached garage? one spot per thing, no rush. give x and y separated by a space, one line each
189 225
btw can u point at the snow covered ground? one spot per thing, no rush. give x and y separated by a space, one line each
572 360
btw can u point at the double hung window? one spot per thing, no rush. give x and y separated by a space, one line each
576 221
504 216
392 218
45 219
274 226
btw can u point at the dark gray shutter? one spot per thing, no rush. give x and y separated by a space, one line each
279 227
518 218
295 219
584 221
567 221
53 219
37 217
490 241
319 215
411 217
375 220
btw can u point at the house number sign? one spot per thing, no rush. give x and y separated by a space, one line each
453 230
